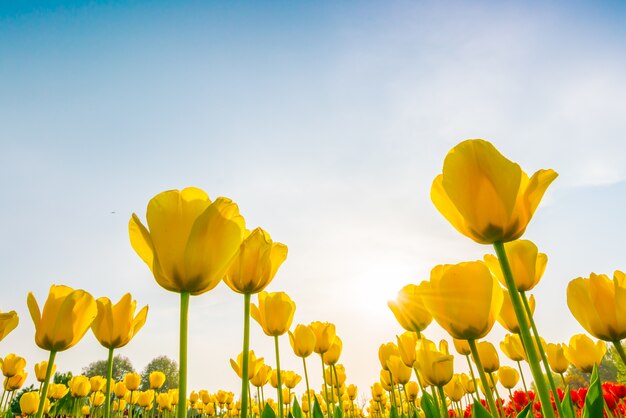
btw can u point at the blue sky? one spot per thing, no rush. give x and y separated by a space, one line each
326 122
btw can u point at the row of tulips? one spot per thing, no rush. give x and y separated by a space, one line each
191 243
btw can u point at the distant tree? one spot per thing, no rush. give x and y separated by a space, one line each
62 377
121 366
162 364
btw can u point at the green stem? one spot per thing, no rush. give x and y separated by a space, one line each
521 374
620 351
280 386
393 392
419 381
308 391
542 353
483 379
246 349
325 386
495 388
442 396
182 356
107 394
475 394
533 361
433 391
563 380
44 391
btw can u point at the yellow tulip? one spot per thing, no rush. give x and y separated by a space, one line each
462 347
407 344
506 317
400 372
385 351
488 356
583 353
331 357
79 386
8 322
40 370
512 347
253 366
164 402
57 391
412 390
385 380
119 405
12 365
66 317
85 410
97 383
409 309
302 340
291 379
274 313
464 299
467 382
598 303
145 398
324 335
191 241
97 398
132 381
485 196
156 379
526 262
120 389
115 325
537 348
256 263
262 376
352 391
454 389
435 367
556 358
16 381
29 402
274 378
508 377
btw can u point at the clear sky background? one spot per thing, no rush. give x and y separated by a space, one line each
326 122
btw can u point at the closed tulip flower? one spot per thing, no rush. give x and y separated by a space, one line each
598 303
97 383
79 386
488 356
262 376
8 322
506 317
526 262
435 367
132 381
302 340
115 325
119 405
66 317
377 392
407 343
274 313
254 365
57 391
454 389
145 398
583 353
385 380
485 196
164 402
324 335
508 377
40 370
409 309
256 263
512 347
120 389
556 358
464 299
399 371
156 379
12 365
412 390
292 379
385 351
467 382
29 402
462 347
352 392
96 399
274 378
16 381
334 352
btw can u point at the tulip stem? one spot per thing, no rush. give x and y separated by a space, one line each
246 348
542 353
393 392
107 394
444 408
620 351
495 388
533 361
182 355
44 391
280 386
471 369
483 379
308 391
521 374
325 385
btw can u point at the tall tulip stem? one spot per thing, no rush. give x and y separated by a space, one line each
620 351
533 361
444 407
542 353
308 391
483 379
521 374
246 349
44 391
107 394
278 378
471 369
182 355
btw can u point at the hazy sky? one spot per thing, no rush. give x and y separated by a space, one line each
326 122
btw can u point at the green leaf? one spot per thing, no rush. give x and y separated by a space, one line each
290 415
567 406
268 412
317 411
526 411
479 411
338 413
594 402
394 412
428 406
296 410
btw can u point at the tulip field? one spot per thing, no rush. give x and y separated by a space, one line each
191 243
